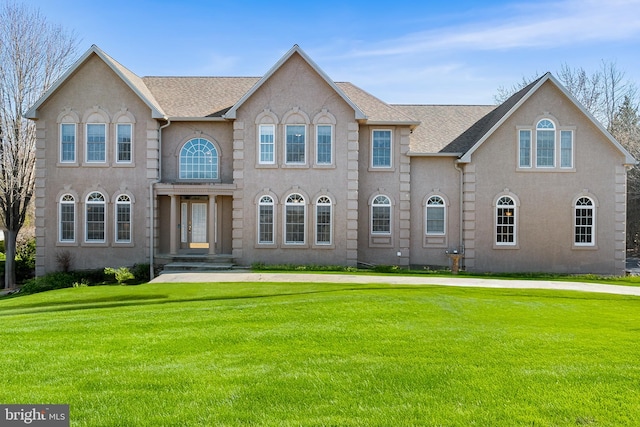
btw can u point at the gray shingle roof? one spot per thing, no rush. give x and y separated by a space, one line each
198 96
440 124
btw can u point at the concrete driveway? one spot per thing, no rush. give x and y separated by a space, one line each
244 276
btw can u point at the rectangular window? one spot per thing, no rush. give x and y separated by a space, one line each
267 144
545 148
324 145
435 219
525 148
124 143
323 224
96 143
566 149
265 234
67 143
381 149
95 223
294 232
296 143
123 222
67 222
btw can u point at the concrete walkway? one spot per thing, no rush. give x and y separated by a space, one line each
266 277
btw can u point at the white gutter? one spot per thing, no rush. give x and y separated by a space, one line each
461 219
151 210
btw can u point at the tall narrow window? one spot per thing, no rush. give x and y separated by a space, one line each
324 144
67 218
123 219
525 148
435 221
381 149
95 218
96 143
506 221
265 220
584 224
67 143
267 144
296 144
381 215
123 145
294 219
566 149
198 160
323 221
545 143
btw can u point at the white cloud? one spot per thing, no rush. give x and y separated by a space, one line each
525 25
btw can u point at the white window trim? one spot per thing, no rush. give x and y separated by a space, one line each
284 221
390 166
332 151
513 244
115 217
86 143
75 218
560 131
104 221
555 143
274 144
593 222
530 165
306 148
117 148
75 144
426 210
390 205
273 220
315 231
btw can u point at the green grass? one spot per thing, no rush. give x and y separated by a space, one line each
324 355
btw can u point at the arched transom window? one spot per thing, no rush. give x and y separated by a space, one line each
198 160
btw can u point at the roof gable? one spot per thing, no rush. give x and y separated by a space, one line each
231 114
470 140
134 82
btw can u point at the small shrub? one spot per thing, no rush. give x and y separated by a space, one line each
141 272
81 284
121 274
386 268
64 260
48 282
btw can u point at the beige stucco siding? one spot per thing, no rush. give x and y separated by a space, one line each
294 94
434 176
545 214
96 92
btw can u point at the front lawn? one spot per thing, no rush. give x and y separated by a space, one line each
312 355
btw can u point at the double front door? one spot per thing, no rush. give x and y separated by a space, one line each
194 232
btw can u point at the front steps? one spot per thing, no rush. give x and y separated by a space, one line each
196 262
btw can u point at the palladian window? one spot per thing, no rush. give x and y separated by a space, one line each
198 160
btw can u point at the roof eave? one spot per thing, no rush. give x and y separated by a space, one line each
438 154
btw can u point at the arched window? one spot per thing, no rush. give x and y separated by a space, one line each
295 219
545 143
198 160
505 221
95 217
584 222
123 219
265 220
323 221
435 215
381 215
67 217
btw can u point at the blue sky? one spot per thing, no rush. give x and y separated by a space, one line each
421 52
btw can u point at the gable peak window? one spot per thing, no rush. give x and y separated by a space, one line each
96 142
67 143
296 142
198 160
124 133
545 143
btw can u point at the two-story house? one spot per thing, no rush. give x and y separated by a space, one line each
292 167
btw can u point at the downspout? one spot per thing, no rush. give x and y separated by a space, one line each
151 203
461 207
